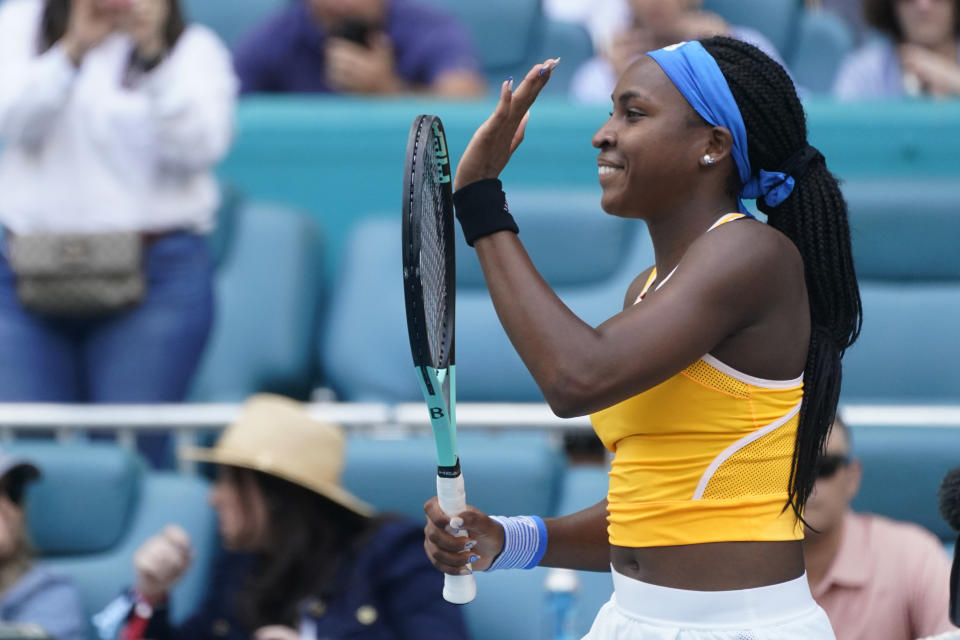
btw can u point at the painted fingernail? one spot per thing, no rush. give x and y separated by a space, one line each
470 545
549 65
474 559
510 83
456 523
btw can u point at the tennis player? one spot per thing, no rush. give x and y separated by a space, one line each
716 385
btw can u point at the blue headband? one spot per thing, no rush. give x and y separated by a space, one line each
698 77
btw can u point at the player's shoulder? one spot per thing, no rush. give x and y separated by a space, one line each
747 237
746 247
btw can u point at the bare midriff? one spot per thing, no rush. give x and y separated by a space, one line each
716 566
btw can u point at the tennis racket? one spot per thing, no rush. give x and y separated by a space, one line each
429 285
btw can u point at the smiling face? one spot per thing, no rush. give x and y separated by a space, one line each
650 148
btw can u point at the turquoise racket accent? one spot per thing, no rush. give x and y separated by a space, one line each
443 412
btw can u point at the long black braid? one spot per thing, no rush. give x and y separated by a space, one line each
814 217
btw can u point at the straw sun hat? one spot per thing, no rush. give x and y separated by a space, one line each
275 435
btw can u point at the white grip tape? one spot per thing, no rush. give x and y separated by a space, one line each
453 500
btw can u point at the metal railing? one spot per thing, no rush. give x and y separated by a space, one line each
186 421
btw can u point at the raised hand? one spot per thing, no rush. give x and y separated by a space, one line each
495 141
938 76
161 561
145 22
90 22
354 68
450 553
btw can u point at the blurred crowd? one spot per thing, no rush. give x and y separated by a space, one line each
904 47
113 117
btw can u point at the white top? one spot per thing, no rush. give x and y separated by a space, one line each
83 153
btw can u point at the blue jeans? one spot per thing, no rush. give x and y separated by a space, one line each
145 355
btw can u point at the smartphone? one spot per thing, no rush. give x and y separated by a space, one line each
354 30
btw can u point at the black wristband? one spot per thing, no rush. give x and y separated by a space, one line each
481 208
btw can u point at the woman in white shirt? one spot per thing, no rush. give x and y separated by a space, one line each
112 116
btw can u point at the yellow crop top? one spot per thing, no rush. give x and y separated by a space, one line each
702 457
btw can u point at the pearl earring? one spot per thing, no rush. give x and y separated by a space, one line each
708 160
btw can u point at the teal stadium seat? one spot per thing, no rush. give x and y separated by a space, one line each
590 258
776 19
902 471
904 234
231 19
504 473
513 35
908 349
905 230
823 40
96 504
268 289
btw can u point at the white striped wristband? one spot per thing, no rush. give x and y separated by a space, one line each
524 542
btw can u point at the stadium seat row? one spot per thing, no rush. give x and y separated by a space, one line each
94 540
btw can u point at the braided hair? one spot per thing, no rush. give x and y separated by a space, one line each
814 217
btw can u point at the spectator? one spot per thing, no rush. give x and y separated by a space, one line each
359 46
655 24
112 115
877 579
30 593
919 53
302 550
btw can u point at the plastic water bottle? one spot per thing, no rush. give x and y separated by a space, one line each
561 586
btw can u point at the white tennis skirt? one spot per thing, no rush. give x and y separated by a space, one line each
641 611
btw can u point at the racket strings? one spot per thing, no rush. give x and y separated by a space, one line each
433 252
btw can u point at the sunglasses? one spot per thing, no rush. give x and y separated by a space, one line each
828 465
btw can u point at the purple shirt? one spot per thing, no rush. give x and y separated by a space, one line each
286 53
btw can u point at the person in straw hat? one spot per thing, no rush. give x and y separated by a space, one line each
305 557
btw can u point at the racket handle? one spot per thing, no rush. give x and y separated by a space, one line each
453 500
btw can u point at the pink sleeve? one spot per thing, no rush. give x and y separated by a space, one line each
929 597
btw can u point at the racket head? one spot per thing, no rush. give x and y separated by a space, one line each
429 260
